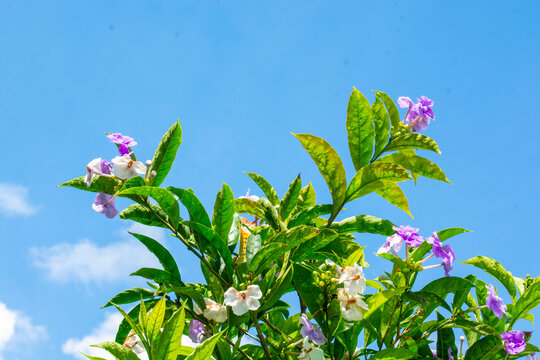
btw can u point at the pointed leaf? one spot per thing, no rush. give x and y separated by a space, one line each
265 186
364 224
392 111
163 255
170 340
194 206
307 197
120 352
306 215
394 354
495 269
381 122
130 295
290 198
450 232
360 129
369 178
223 212
248 206
205 350
485 348
270 214
102 184
164 198
165 153
155 320
141 214
329 164
156 275
413 141
446 285
526 302
417 165
392 193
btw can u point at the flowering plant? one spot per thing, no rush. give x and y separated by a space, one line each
294 245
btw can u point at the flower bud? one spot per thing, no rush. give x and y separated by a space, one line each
148 163
153 174
321 283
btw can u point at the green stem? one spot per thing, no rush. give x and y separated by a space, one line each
260 334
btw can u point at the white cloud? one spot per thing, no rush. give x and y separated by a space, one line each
14 200
106 331
153 232
17 331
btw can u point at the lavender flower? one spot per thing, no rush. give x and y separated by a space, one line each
515 341
419 115
311 331
532 356
403 233
494 302
445 253
196 331
95 167
104 204
123 142
450 357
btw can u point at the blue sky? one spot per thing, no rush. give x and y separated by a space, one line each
240 77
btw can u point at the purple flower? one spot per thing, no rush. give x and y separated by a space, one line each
106 166
104 204
419 114
532 356
494 302
515 341
95 167
445 253
311 331
196 331
123 142
450 357
434 352
409 235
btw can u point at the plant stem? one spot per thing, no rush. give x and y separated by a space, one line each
260 334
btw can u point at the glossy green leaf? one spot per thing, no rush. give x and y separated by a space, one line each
166 153
329 164
270 214
129 296
526 302
364 224
307 197
413 141
163 255
124 328
205 350
495 269
186 292
155 320
450 232
290 198
103 184
156 275
485 348
193 205
377 300
280 287
393 354
248 206
381 122
314 243
137 328
461 295
120 352
446 285
164 198
94 357
170 339
392 111
392 193
446 341
304 216
223 212
369 178
426 299
141 214
479 328
265 186
360 129
416 164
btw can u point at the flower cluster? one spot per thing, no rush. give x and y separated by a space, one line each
350 296
419 115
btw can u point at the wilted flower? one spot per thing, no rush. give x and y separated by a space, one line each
419 115
494 302
126 168
95 167
515 341
213 311
243 301
123 142
104 204
133 342
403 233
352 306
309 352
311 331
196 331
250 197
353 279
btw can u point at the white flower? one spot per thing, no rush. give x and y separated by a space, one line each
352 307
213 310
353 279
125 168
134 343
96 167
243 301
395 241
309 352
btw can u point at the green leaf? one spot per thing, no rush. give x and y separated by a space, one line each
129 296
314 243
426 299
307 198
496 270
163 255
290 198
280 287
369 178
103 184
248 206
164 198
170 340
329 164
416 164
270 214
359 129
120 352
144 216
165 153
392 193
364 224
393 354
124 328
485 348
186 292
205 350
194 206
461 295
446 340
413 141
306 215
392 111
526 302
155 320
157 275
381 122
94 357
223 212
379 299
446 285
137 328
450 232
265 186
